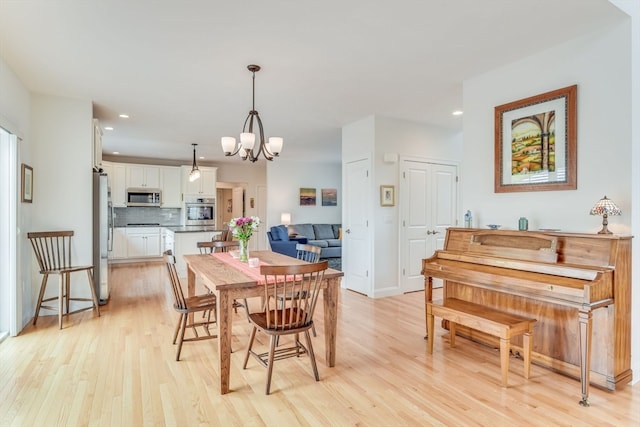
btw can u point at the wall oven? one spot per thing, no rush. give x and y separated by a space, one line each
198 211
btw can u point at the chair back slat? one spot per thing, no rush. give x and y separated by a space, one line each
309 253
178 295
300 284
52 249
225 245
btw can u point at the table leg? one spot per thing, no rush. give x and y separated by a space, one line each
224 313
330 299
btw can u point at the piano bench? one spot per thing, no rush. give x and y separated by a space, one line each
488 320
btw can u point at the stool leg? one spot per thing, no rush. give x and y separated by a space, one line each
43 286
61 287
96 303
504 359
527 353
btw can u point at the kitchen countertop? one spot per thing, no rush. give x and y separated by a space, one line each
191 228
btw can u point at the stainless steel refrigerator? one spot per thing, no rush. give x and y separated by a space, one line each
102 235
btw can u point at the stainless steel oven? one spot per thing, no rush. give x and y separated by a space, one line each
199 211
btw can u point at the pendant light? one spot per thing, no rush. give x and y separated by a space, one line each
195 172
269 149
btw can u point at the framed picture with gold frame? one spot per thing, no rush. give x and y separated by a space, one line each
26 186
535 143
387 195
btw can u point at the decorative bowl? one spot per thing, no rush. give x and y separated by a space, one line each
494 226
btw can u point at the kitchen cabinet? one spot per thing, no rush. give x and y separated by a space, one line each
167 240
204 186
116 175
171 187
119 244
143 242
187 243
143 176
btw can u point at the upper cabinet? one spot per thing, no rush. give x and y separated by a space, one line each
143 176
116 177
171 187
203 186
96 147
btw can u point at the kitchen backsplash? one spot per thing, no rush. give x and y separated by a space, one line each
147 215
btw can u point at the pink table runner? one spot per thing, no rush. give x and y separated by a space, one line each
252 272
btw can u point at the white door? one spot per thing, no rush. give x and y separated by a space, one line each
429 206
356 251
237 202
262 214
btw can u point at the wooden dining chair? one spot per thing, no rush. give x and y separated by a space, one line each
205 304
53 253
309 253
304 283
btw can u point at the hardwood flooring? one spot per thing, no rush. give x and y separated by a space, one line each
120 370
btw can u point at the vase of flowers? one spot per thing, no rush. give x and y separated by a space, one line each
242 229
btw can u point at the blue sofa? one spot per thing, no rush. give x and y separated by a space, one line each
283 239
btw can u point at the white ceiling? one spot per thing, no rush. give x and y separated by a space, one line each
178 68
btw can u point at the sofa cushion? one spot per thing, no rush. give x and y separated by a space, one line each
305 230
280 232
319 243
323 231
334 242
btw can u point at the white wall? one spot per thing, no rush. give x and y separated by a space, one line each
604 134
284 180
62 177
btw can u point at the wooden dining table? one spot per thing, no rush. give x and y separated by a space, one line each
231 280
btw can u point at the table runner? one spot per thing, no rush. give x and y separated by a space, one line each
252 272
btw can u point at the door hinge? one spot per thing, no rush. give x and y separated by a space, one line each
367 275
456 178
403 272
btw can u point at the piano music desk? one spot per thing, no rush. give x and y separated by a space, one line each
490 321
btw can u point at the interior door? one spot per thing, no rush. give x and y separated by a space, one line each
357 246
429 206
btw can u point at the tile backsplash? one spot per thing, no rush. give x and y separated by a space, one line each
147 215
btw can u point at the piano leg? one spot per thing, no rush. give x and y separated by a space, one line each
428 297
585 320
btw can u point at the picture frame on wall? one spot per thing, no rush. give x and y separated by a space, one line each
307 196
535 143
26 186
387 195
329 197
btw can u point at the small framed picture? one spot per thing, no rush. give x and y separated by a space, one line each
387 195
26 193
307 196
329 197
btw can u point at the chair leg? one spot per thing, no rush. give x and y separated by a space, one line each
246 310
96 303
67 293
175 333
312 355
61 287
272 351
251 338
183 326
42 289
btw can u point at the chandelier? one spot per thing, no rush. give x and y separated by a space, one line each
245 148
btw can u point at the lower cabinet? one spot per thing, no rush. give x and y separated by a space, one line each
119 244
142 242
186 244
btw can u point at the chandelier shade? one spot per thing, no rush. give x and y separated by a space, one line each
246 148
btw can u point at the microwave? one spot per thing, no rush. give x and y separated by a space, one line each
144 197
200 211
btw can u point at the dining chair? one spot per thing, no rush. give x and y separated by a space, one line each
303 283
309 253
52 250
205 304
222 246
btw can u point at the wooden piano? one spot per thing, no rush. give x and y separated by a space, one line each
577 286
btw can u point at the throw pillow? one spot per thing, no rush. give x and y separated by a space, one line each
323 231
280 233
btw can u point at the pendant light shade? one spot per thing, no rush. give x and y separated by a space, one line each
195 172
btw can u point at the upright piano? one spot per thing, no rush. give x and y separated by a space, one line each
577 286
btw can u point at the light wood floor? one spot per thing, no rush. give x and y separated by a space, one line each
120 370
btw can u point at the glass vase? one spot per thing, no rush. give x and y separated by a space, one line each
244 250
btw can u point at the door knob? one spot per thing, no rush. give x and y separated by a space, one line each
348 230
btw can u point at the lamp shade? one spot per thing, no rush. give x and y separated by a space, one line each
228 144
605 207
285 218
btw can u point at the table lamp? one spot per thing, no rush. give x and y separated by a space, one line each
605 207
285 218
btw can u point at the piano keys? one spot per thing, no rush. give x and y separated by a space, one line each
578 287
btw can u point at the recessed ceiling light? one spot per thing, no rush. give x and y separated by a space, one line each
116 152
108 128
124 116
457 113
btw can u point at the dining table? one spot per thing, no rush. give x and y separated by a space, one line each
230 280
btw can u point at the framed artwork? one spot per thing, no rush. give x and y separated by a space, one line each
535 143
307 197
26 187
387 195
329 197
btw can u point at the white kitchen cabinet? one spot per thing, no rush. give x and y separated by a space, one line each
143 242
203 186
171 187
143 176
187 243
118 185
168 237
119 244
